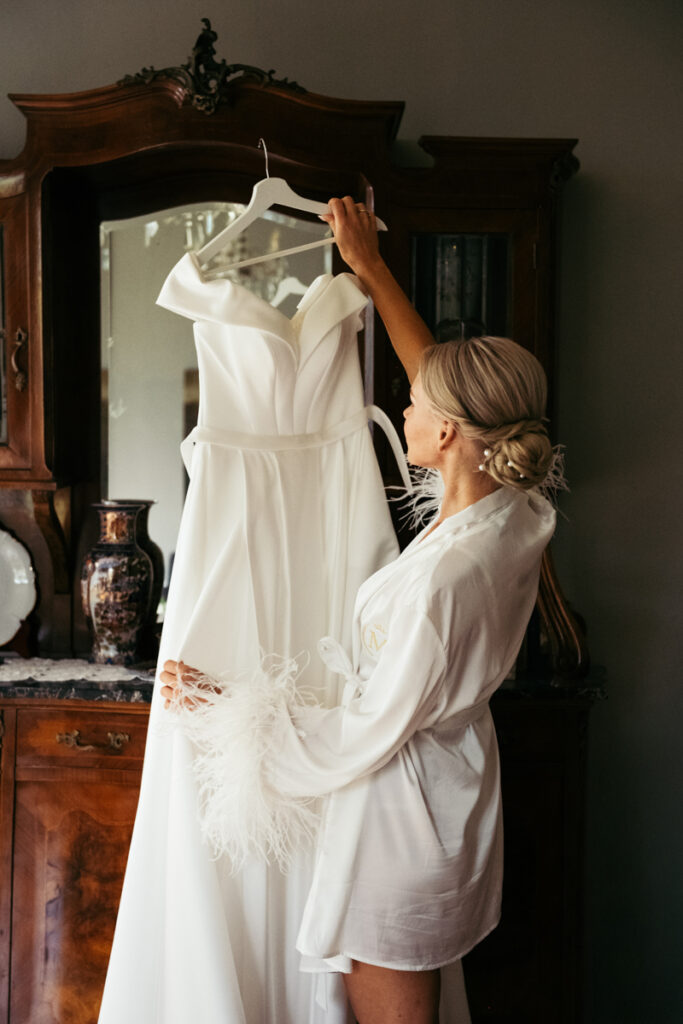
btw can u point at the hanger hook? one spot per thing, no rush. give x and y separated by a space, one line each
262 145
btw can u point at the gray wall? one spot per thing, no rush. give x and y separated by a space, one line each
609 72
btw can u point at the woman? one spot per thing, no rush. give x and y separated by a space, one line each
409 858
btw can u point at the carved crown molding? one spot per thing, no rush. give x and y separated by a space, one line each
207 82
562 170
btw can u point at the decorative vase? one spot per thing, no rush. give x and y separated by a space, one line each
149 643
116 585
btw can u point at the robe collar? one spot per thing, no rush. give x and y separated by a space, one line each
423 547
477 512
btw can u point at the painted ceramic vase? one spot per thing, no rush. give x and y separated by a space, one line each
149 643
116 585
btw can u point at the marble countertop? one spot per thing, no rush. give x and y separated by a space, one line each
78 679
74 679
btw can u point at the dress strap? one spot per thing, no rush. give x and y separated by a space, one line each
379 417
288 442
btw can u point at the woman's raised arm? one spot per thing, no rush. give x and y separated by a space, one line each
356 235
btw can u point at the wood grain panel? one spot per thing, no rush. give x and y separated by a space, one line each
7 749
70 848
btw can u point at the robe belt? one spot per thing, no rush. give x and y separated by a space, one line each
337 660
288 442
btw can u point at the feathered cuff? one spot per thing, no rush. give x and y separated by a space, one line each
236 725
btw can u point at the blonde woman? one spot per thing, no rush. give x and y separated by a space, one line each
408 871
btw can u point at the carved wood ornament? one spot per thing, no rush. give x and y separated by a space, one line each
206 81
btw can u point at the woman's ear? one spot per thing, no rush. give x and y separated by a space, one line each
447 434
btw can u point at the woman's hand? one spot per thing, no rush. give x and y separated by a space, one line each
181 684
355 232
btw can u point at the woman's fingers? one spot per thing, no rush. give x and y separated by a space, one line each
179 670
355 232
172 677
347 208
168 694
174 696
352 208
175 675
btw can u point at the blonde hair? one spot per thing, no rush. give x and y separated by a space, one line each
493 390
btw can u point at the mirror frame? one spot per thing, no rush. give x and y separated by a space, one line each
126 149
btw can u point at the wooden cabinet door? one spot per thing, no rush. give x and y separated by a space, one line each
527 969
70 784
71 842
21 393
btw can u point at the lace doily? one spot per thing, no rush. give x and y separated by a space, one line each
68 670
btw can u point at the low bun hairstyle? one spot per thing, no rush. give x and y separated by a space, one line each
495 391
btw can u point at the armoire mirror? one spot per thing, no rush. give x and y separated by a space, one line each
112 230
149 383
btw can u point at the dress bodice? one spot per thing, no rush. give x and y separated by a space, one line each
261 372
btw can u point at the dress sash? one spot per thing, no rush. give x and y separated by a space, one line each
288 442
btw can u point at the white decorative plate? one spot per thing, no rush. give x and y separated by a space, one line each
17 585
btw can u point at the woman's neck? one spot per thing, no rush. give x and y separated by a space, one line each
460 495
464 484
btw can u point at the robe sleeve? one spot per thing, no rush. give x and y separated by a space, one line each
263 756
325 749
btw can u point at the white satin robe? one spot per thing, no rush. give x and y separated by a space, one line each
409 860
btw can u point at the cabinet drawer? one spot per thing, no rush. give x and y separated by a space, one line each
81 737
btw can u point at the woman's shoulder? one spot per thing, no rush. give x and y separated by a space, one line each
457 569
464 565
441 569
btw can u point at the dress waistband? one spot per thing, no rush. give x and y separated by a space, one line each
289 442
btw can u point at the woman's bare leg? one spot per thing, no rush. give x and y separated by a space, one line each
379 995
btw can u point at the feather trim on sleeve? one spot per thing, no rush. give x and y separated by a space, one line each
234 723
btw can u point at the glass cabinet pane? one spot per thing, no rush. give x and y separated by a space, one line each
461 283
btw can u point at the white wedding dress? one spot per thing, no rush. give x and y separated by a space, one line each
285 517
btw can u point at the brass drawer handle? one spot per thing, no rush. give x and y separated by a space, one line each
117 740
20 376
